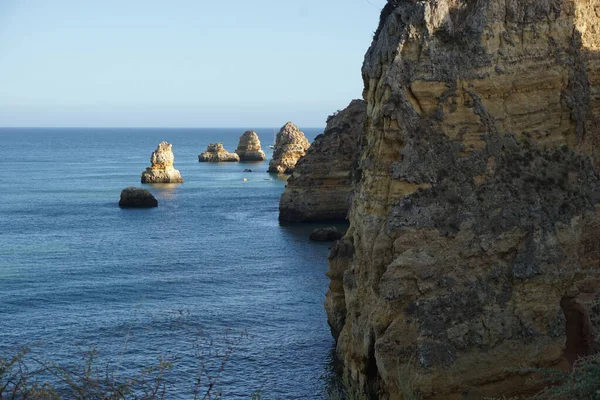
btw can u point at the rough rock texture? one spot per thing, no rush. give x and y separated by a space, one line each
161 170
328 234
290 145
217 153
320 185
474 239
249 147
133 197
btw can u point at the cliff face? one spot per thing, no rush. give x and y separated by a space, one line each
249 147
473 248
320 185
161 169
290 145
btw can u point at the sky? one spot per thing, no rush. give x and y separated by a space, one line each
181 63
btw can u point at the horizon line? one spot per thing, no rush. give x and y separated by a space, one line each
150 127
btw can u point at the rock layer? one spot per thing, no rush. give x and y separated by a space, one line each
474 229
249 147
161 169
320 185
290 145
133 197
217 153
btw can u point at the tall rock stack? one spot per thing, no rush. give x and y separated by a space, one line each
473 248
161 169
249 147
290 145
319 188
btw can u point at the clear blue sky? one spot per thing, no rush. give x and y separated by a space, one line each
181 63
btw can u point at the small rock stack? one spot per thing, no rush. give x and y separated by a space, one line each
217 153
161 170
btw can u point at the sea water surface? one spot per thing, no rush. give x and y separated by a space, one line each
210 269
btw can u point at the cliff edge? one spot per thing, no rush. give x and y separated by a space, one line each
319 188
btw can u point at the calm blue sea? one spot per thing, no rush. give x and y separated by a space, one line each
185 278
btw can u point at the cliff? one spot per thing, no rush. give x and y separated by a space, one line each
161 169
249 149
319 188
473 247
290 145
215 152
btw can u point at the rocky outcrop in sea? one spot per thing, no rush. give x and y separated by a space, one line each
249 147
161 169
319 188
217 153
472 253
290 145
133 197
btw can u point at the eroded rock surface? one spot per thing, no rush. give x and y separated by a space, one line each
474 240
133 197
290 145
217 153
249 147
161 169
319 188
327 234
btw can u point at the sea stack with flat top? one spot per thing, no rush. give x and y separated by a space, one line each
161 170
290 145
217 153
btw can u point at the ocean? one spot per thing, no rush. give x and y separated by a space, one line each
208 274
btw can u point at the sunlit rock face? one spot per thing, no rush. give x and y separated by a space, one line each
319 188
290 145
474 240
249 149
217 153
161 169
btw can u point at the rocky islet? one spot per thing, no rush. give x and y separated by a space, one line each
290 145
215 152
249 148
134 197
161 169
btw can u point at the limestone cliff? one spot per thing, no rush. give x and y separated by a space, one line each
290 145
161 169
215 152
249 147
473 247
320 185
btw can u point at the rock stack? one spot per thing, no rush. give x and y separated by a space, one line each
319 188
217 153
473 248
249 147
133 197
290 145
161 169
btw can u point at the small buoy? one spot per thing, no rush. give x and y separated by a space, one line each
245 179
268 179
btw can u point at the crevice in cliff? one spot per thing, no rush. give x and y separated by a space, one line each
578 330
